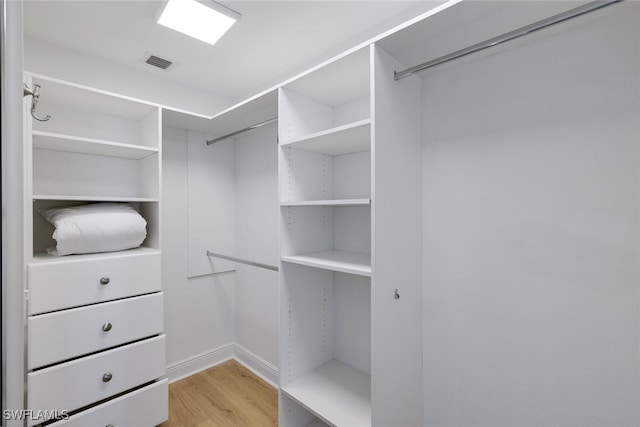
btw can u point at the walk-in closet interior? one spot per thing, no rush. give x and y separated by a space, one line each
396 213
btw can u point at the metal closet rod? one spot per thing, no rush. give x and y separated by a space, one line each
511 35
256 126
242 261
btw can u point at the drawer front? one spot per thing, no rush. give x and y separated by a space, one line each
64 284
54 337
78 383
146 407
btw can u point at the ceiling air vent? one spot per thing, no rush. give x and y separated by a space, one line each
158 62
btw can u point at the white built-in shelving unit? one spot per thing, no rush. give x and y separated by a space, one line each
325 198
95 342
349 182
97 147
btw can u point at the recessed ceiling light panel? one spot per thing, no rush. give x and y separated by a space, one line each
205 20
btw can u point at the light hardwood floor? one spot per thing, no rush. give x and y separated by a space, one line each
225 395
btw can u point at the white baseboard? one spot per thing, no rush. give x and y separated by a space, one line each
256 364
208 359
193 365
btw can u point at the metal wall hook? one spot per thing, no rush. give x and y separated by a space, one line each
35 94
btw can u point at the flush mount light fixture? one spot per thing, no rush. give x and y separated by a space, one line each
205 20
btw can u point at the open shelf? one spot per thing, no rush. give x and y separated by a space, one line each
94 198
335 202
337 393
346 139
43 257
75 144
335 260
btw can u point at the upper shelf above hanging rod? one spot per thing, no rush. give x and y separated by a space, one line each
34 94
248 128
511 35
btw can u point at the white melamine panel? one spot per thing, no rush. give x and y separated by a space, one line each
352 176
531 207
299 116
334 260
350 138
306 318
211 204
308 176
338 82
147 406
324 128
397 247
83 98
150 129
78 383
61 335
336 202
149 171
151 213
75 144
59 173
336 393
352 324
306 229
326 315
336 237
63 282
352 228
305 175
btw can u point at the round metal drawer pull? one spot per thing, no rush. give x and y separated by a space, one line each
107 327
107 377
104 280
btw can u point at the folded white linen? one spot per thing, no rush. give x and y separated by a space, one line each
96 227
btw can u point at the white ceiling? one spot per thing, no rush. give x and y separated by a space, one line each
273 40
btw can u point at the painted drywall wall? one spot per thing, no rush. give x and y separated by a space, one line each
199 312
55 61
531 234
256 233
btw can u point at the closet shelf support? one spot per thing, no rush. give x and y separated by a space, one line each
242 261
511 35
248 128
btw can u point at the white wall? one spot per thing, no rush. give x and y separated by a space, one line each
531 233
256 232
199 312
223 198
55 61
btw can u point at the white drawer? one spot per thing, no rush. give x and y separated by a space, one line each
146 407
72 282
62 335
78 383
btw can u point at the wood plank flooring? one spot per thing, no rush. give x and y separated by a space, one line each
225 395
